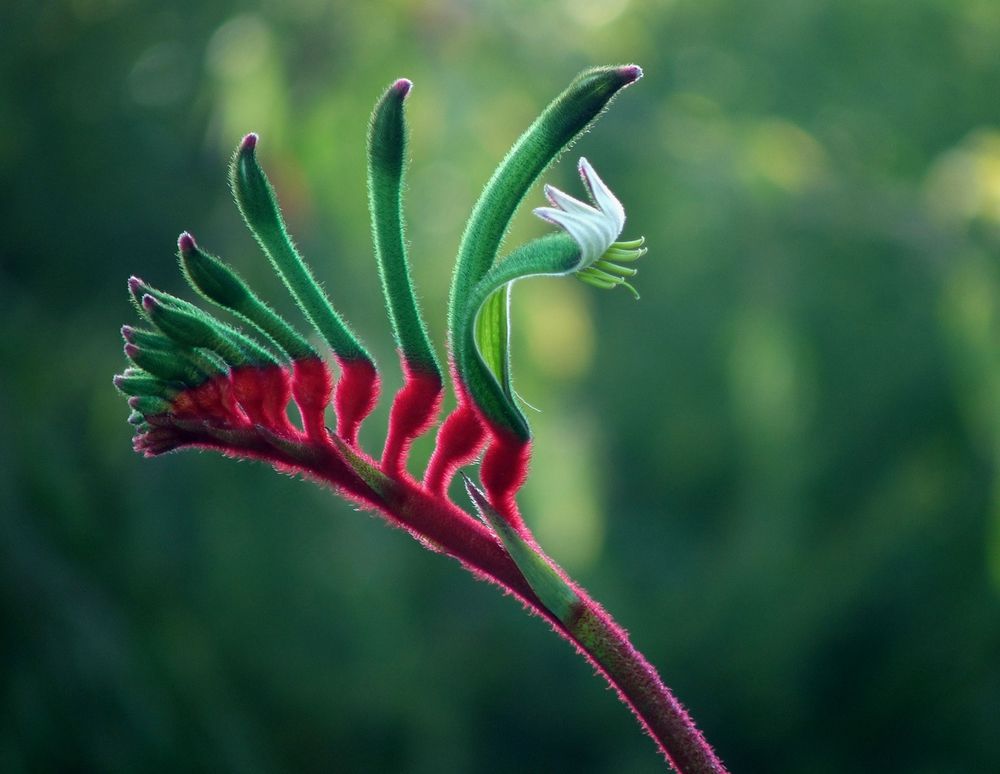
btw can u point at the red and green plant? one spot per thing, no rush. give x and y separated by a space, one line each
197 382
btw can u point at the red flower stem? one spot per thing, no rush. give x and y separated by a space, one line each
434 519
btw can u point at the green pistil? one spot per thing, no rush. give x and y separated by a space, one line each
606 274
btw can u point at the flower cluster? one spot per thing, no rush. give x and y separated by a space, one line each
195 381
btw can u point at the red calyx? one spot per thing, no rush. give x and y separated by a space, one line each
354 397
250 388
277 392
312 387
458 442
503 472
413 411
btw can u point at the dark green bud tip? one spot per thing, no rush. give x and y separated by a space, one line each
147 339
148 405
387 140
253 192
184 328
132 385
134 382
161 364
210 276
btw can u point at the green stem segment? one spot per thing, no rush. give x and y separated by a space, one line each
608 646
259 207
386 166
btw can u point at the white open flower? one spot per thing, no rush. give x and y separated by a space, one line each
595 228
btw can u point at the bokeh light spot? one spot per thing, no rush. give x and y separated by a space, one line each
240 47
595 13
964 182
553 318
162 76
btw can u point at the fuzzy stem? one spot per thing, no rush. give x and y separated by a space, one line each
439 524
607 646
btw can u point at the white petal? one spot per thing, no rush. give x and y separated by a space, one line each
606 201
566 202
593 235
594 230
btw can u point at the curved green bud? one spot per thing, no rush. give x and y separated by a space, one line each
259 207
231 338
205 363
164 365
481 346
197 330
149 406
558 125
144 384
147 339
220 284
386 165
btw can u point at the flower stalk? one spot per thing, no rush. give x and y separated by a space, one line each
196 382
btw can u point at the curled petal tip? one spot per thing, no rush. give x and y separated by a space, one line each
127 332
249 143
402 87
149 303
134 283
185 242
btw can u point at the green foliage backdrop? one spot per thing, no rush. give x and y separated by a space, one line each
779 469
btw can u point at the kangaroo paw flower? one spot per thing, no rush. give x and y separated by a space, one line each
595 229
194 381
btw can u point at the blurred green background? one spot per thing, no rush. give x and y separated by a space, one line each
778 469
